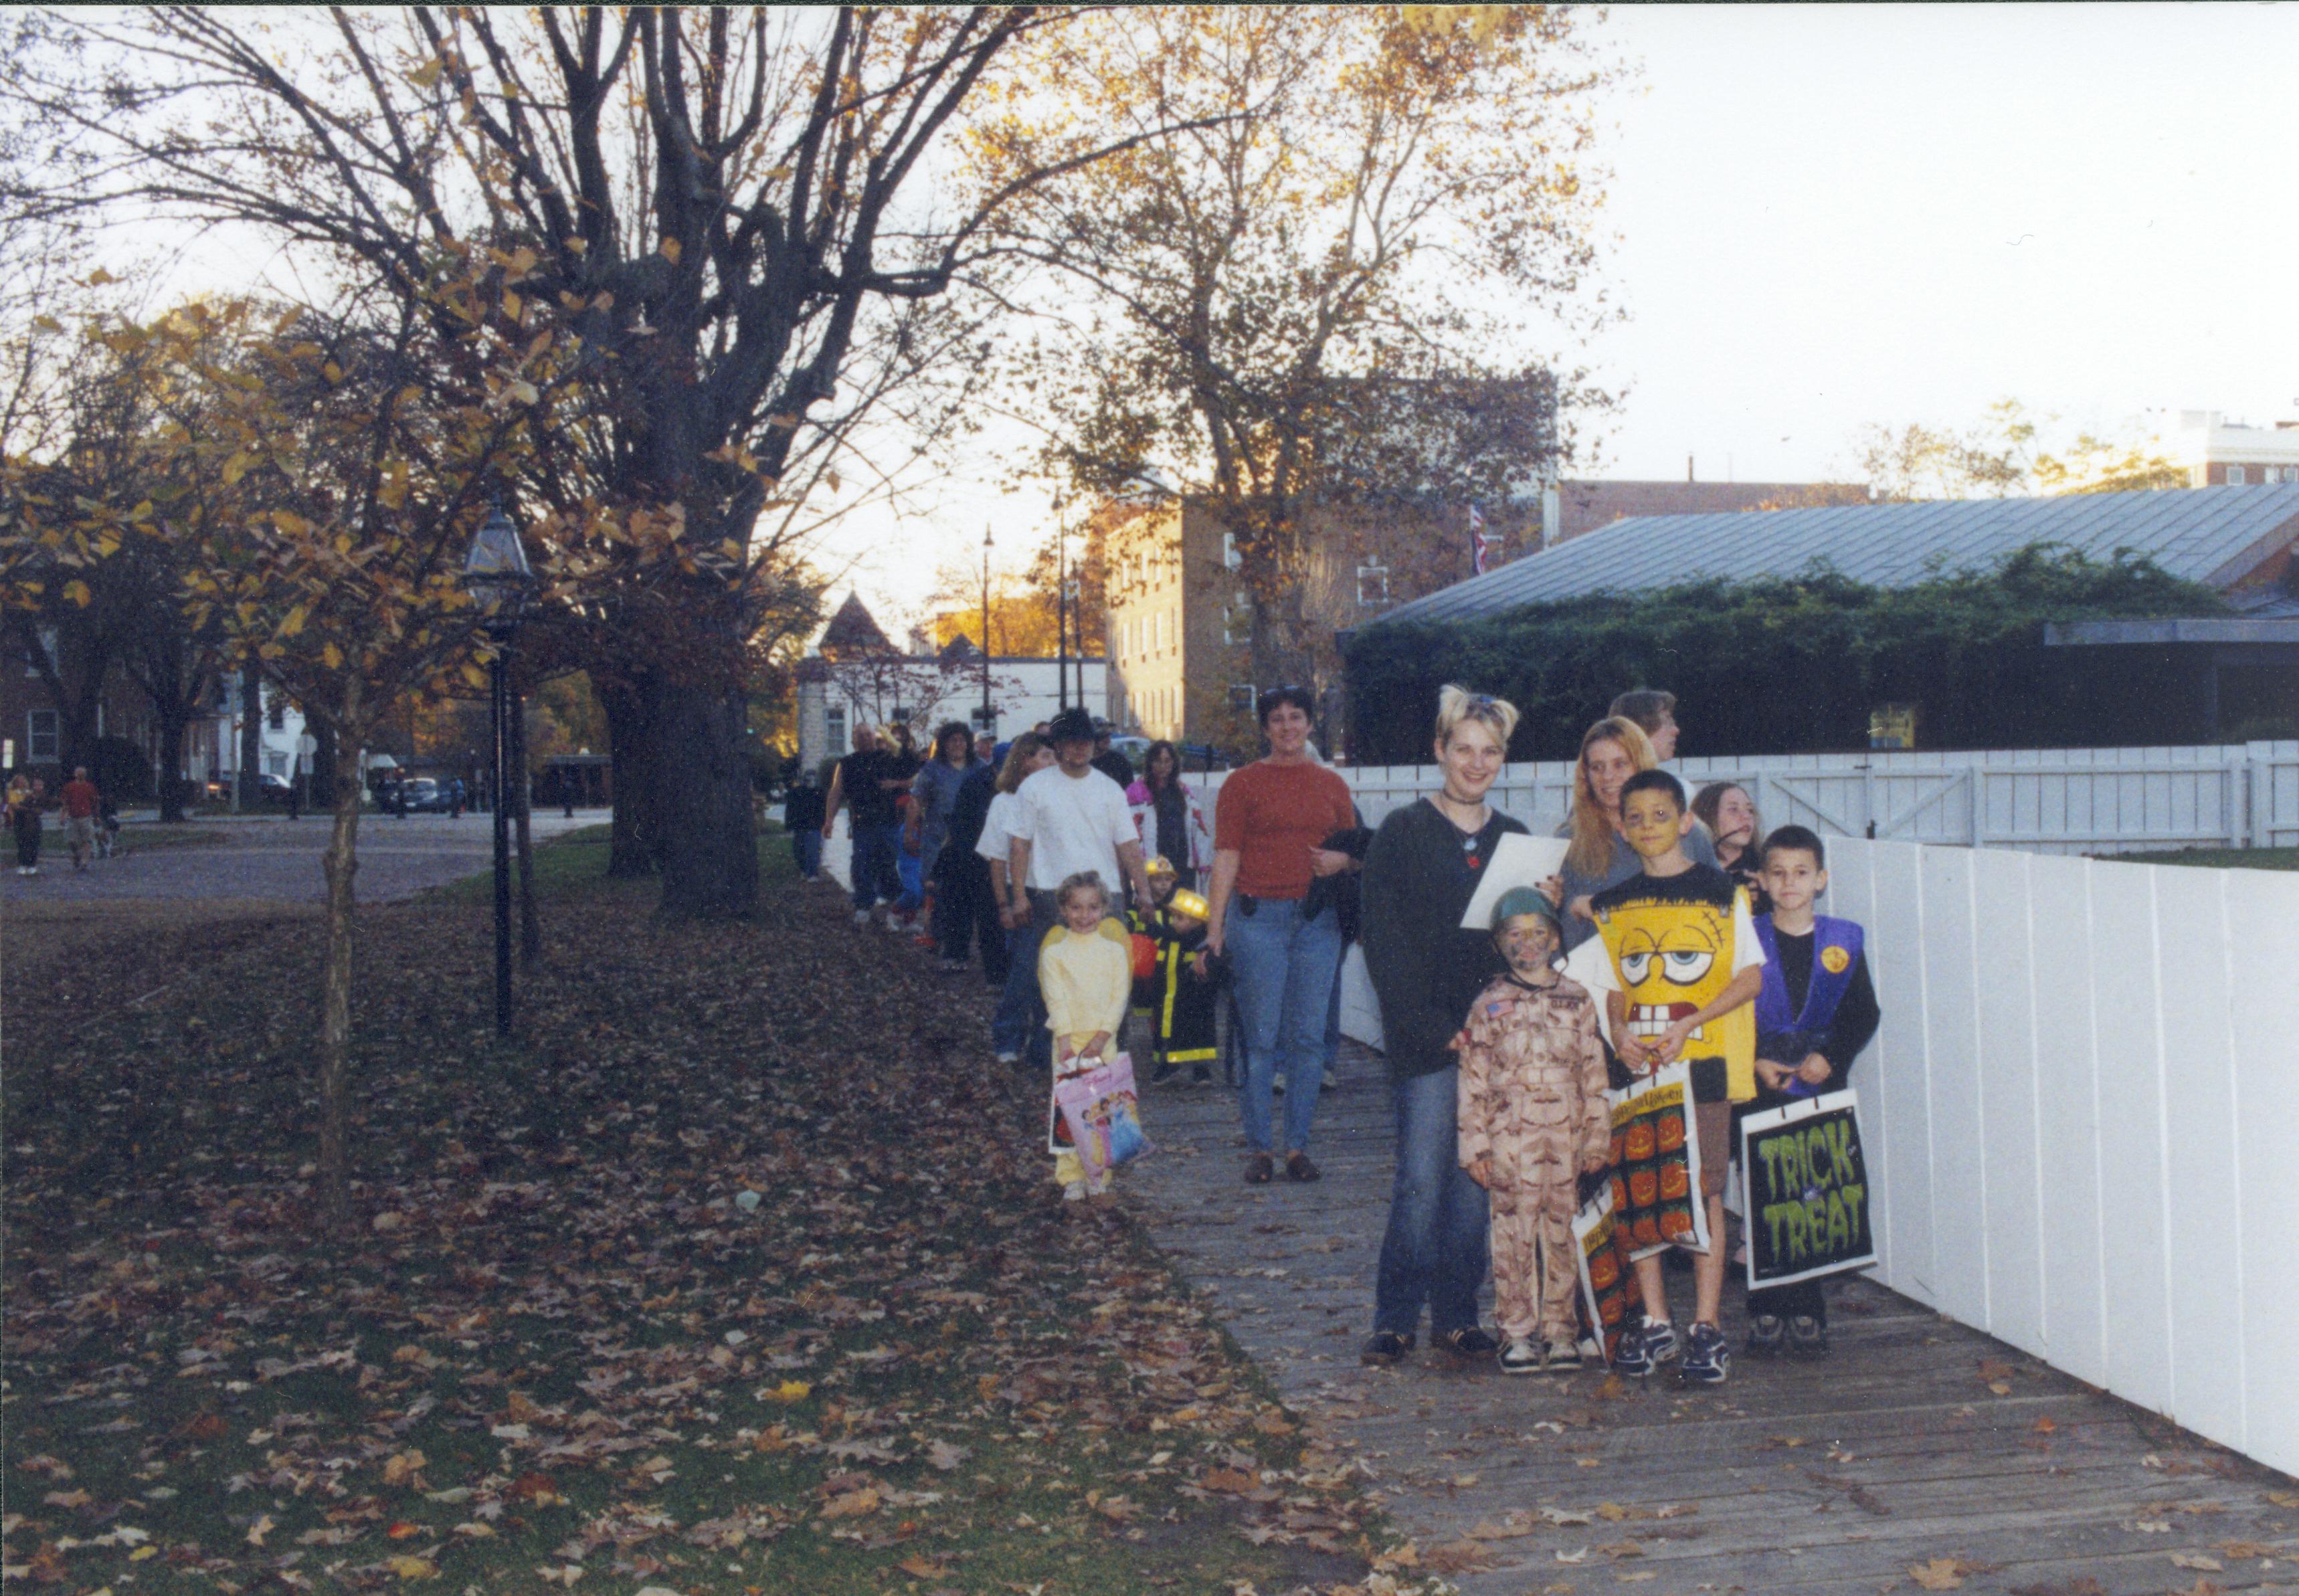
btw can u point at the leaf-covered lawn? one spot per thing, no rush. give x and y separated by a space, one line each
564 1345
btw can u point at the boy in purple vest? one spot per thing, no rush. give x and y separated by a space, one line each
1815 1012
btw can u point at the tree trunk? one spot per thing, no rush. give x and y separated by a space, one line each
530 932
172 718
632 845
249 790
341 863
323 768
709 852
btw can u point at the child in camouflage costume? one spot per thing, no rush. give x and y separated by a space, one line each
1533 1118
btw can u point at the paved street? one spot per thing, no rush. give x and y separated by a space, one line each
275 860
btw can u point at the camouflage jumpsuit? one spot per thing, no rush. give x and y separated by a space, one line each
1532 1099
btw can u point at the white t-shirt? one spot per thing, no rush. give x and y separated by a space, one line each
1073 823
997 827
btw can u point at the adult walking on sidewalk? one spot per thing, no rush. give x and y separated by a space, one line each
26 795
1420 874
1284 949
80 800
934 796
861 784
1068 820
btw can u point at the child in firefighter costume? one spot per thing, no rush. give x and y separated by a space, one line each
1185 1003
1533 1118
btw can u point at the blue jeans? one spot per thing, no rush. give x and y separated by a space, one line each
1021 1018
1435 1250
806 844
875 848
1284 967
910 868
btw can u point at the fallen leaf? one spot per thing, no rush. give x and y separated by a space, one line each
852 1504
413 1568
400 1467
945 1457
1941 1574
262 1527
916 1567
789 1390
2045 1427
1235 1481
2245 1549
73 1498
2197 1559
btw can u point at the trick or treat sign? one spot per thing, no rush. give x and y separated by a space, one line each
1656 1165
1807 1193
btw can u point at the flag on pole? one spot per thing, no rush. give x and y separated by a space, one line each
1478 542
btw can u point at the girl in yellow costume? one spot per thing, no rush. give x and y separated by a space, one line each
1086 969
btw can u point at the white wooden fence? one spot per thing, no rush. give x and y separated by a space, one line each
2081 1113
2049 800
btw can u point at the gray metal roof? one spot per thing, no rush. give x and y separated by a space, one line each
2209 629
2213 535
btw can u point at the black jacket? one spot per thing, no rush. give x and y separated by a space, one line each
1426 971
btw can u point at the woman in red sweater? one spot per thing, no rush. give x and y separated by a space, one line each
1284 953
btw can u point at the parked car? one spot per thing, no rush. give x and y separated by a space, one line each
428 795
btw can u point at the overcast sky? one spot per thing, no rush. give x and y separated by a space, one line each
1829 216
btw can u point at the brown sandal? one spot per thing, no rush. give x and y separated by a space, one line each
1298 1167
1258 1169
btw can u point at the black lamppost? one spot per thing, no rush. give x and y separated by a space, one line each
1061 612
498 576
989 715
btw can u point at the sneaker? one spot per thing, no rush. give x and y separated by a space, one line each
1807 1337
1768 1335
1073 1192
1298 1167
1563 1353
1522 1356
1201 1077
1164 1072
1707 1360
953 966
1468 1342
1006 1056
1660 1340
1630 1356
1277 1084
1258 1168
1385 1347
861 916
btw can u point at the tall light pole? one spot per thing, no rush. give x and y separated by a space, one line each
499 577
989 715
1062 610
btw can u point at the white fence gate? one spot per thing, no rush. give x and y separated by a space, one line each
2049 800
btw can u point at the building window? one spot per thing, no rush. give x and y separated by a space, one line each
2235 476
833 726
279 716
1231 558
40 735
1372 585
1241 696
276 763
1237 623
48 639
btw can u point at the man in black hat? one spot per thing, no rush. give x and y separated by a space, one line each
1069 818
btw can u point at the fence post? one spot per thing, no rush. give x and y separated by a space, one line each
2259 793
1868 799
1976 777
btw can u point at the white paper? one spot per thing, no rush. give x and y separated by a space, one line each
1518 861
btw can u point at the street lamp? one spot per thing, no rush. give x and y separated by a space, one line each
499 577
989 715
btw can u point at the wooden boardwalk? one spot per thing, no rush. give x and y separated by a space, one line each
1923 1455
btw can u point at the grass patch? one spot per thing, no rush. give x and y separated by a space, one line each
562 1341
2218 858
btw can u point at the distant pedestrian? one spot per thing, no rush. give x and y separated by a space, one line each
107 828
860 782
933 798
1017 979
457 798
26 795
1167 813
802 819
1654 710
1108 760
80 799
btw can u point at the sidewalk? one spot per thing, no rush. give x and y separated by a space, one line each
1920 1445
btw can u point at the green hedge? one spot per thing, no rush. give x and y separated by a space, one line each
1796 665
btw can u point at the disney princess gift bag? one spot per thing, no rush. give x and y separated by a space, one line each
1102 1115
